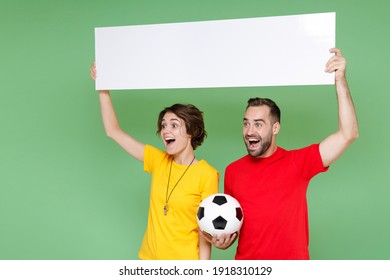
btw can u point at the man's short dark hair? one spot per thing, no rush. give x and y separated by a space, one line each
274 109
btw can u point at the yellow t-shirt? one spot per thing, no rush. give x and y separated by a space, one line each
174 236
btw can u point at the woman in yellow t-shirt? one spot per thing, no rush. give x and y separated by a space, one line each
179 180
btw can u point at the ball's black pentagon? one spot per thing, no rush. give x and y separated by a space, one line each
219 223
200 213
219 200
239 213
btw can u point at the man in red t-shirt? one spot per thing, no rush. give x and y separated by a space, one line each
271 183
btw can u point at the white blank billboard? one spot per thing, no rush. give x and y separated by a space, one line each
268 51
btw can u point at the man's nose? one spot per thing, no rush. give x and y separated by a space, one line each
250 129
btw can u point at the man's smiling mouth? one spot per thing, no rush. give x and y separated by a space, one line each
253 142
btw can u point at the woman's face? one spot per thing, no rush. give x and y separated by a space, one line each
174 134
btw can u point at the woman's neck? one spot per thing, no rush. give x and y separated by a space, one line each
185 158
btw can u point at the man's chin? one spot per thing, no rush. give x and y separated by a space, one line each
254 153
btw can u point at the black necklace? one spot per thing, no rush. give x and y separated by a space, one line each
169 178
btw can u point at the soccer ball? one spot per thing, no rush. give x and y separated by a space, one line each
220 213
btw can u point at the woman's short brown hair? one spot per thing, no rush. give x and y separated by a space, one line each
193 119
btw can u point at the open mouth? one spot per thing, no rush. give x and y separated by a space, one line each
253 142
169 140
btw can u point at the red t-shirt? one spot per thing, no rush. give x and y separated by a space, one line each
272 193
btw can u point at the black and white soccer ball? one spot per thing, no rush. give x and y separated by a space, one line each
220 213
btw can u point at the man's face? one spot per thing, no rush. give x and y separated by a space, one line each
258 131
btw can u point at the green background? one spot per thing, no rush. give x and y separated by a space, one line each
69 192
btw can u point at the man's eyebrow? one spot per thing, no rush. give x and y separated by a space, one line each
255 120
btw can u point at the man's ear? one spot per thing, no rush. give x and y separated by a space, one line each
276 128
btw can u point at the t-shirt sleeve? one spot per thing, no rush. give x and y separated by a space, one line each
310 161
211 185
152 157
226 183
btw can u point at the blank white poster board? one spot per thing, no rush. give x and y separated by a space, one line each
268 51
